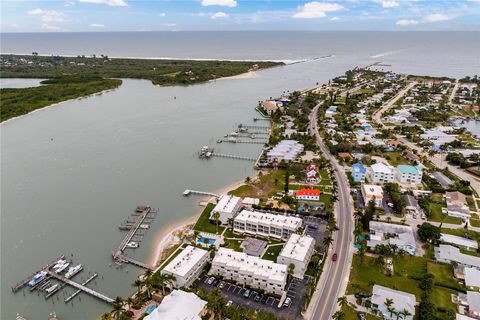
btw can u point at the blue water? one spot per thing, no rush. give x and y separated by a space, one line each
202 240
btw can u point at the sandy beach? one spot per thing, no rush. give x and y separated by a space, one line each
168 236
245 75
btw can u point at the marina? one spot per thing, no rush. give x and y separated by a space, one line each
142 216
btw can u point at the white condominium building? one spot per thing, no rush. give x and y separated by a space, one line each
372 192
187 266
227 207
266 224
381 173
409 174
250 271
298 250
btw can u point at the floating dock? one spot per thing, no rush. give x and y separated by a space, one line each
142 214
24 282
242 126
232 156
78 291
242 141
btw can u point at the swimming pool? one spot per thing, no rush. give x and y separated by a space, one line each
204 240
150 309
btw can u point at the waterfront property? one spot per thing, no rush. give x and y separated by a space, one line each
187 266
393 234
227 207
457 205
266 224
179 305
286 150
372 192
297 251
409 174
250 271
358 172
381 173
447 253
401 301
308 194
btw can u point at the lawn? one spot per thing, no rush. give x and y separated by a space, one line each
443 274
233 244
442 297
364 276
351 314
230 234
204 224
394 158
475 222
272 252
268 185
437 215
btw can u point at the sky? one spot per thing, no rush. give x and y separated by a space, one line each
178 15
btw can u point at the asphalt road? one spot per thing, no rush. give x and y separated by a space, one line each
335 275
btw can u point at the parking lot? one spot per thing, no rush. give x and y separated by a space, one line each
316 228
267 303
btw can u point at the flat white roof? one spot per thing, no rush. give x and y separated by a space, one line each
451 253
226 203
274 220
401 300
372 190
297 247
381 168
185 261
472 277
404 234
178 305
234 260
473 299
460 241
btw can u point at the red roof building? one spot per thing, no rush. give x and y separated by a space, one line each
308 194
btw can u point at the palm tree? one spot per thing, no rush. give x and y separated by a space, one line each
163 280
139 285
216 216
339 315
291 269
117 308
388 303
405 313
129 302
327 241
106 316
216 303
342 301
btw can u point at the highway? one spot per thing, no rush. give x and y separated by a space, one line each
334 279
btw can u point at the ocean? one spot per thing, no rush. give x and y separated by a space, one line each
71 173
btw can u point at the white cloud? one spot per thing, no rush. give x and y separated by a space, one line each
14 25
436 17
97 25
52 28
219 15
112 3
162 14
334 19
315 9
406 22
223 3
48 15
388 3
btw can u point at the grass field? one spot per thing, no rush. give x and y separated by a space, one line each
204 224
272 252
437 215
268 185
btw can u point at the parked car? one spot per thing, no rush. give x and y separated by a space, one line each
258 297
229 303
334 257
361 316
246 294
210 280
287 302
264 299
221 285
312 226
215 282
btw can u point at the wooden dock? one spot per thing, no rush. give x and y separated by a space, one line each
78 291
22 283
231 156
242 141
253 127
81 287
117 254
188 192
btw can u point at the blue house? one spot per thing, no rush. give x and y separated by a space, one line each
358 172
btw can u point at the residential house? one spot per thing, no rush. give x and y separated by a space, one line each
400 301
179 305
372 192
392 234
457 205
358 172
308 194
447 253
381 173
409 174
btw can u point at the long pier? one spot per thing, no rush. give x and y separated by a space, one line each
22 283
243 141
83 288
202 193
231 156
78 291
253 127
118 252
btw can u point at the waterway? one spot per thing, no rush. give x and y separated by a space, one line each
19 83
71 173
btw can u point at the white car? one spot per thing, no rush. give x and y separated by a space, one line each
229 303
287 302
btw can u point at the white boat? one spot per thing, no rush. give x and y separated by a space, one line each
36 279
73 270
144 226
132 244
62 268
59 263
52 288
